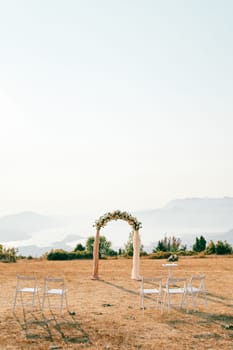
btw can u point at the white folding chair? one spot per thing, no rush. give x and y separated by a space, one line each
196 290
54 293
27 289
175 292
151 286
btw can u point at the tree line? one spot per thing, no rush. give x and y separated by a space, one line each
164 248
173 244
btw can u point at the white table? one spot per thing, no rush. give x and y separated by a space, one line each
169 267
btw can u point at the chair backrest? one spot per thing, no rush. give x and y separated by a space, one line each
179 282
153 282
24 281
197 281
54 283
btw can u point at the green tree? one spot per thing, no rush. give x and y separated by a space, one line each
104 246
199 245
160 247
210 249
183 248
168 244
128 247
223 248
79 247
8 254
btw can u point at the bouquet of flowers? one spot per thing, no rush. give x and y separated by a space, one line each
173 258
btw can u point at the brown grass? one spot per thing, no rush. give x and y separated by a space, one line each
107 314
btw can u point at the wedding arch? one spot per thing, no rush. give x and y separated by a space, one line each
134 223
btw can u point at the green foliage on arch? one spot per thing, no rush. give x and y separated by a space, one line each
118 215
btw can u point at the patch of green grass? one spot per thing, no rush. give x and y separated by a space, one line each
220 317
77 340
208 318
207 336
176 322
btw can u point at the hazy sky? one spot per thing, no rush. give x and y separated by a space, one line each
114 104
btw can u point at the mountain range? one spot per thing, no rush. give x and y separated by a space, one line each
184 218
20 226
188 218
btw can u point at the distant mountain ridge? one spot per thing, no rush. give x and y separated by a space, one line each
20 226
36 251
191 215
200 202
185 218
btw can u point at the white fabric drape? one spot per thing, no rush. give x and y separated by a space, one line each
136 256
96 256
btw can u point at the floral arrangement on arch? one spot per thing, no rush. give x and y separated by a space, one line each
116 215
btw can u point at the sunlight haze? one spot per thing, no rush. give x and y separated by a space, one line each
114 104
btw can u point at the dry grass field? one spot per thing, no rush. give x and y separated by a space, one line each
105 313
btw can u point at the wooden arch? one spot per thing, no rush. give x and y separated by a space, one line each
134 223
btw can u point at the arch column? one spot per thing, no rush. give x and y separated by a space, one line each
96 256
136 256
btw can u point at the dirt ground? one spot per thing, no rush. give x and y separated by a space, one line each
105 313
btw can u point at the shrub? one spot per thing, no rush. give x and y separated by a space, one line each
80 255
186 253
60 254
159 255
128 254
8 255
168 244
112 252
223 248
57 254
143 253
79 247
210 249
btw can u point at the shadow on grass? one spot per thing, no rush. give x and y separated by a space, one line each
222 321
218 299
214 317
118 287
37 326
206 317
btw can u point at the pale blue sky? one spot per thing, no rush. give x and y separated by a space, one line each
114 104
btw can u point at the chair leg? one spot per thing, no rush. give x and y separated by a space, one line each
61 305
183 299
193 302
33 300
205 298
38 300
21 297
164 300
142 301
67 306
43 302
45 299
15 300
161 302
157 301
168 302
